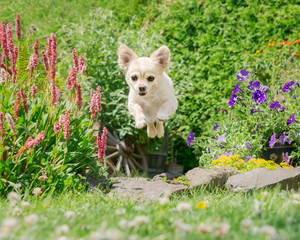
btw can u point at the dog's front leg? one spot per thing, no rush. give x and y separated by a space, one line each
151 130
160 132
138 114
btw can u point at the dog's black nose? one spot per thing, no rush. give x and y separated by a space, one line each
142 89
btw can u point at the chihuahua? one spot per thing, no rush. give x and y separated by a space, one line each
151 96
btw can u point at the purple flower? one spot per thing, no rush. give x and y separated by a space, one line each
293 97
248 146
221 138
273 140
236 89
291 119
225 154
208 150
248 158
216 126
286 158
259 96
265 89
252 111
275 106
242 75
253 85
232 100
288 86
190 138
282 139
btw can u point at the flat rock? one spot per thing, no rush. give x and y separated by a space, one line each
262 178
214 177
165 176
143 188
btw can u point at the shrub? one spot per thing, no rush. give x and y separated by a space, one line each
46 139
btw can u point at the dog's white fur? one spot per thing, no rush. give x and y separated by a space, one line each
149 101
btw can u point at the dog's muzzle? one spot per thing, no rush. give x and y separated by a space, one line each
142 93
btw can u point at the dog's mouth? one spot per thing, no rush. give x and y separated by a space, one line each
142 93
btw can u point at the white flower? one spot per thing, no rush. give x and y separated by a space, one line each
123 224
70 214
17 211
13 197
138 221
25 204
9 225
264 193
183 206
37 191
164 200
138 208
295 196
31 219
246 223
268 230
222 230
110 234
120 211
62 238
204 228
182 227
63 229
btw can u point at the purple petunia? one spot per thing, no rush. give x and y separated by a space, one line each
248 158
265 89
242 75
288 86
282 138
190 138
254 85
287 158
291 119
221 138
275 106
232 100
248 146
259 96
236 89
272 140
216 126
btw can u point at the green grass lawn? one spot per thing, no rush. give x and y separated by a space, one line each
271 214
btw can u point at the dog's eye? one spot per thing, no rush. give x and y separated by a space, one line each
150 79
134 78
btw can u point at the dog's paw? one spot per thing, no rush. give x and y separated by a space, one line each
140 124
161 116
160 130
151 131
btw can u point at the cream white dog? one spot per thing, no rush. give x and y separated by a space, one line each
151 96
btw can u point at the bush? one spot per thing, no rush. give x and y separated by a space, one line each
46 138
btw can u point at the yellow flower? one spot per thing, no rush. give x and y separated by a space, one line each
258 51
264 50
201 205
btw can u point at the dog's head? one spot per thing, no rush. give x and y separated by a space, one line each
143 73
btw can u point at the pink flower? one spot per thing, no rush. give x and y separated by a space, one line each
101 144
53 48
56 128
11 123
17 106
4 39
67 126
33 91
14 69
10 43
24 100
33 61
82 67
2 128
40 137
18 26
49 46
78 96
98 99
53 95
75 59
93 108
6 68
36 47
62 119
1 55
72 77
45 60
4 76
69 83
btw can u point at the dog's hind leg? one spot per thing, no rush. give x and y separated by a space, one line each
160 132
151 130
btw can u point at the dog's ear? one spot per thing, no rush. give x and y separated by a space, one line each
126 55
161 56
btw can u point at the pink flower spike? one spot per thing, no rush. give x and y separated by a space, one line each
93 108
101 144
69 83
4 39
34 142
98 99
2 128
17 106
11 123
10 43
56 128
33 61
67 126
45 60
75 59
36 47
53 96
33 91
53 48
49 48
78 96
18 26
72 76
24 101
82 67
14 68
62 119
